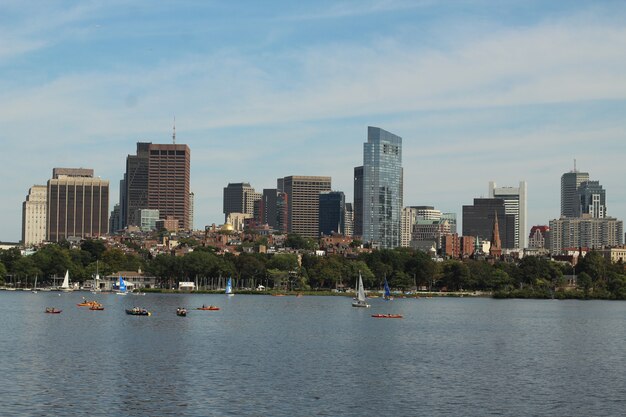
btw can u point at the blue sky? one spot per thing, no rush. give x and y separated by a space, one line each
478 90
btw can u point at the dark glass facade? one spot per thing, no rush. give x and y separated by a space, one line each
479 218
332 212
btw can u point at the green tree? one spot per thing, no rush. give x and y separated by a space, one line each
454 275
9 257
3 272
94 247
53 260
596 266
283 262
25 268
584 281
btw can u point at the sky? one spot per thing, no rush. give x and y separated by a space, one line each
478 90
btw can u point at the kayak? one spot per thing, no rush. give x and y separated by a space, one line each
387 316
53 311
210 308
138 312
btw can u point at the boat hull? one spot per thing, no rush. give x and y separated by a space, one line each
138 313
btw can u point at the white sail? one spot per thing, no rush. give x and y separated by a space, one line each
66 282
360 294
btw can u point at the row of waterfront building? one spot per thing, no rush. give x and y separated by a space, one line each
155 194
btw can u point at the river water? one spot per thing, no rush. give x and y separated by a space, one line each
310 356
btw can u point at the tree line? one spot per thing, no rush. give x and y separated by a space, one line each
405 269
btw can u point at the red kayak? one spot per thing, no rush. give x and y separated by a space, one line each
209 308
387 316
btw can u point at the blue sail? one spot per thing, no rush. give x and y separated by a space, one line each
122 284
387 291
229 287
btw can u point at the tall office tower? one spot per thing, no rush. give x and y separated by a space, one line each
479 218
239 198
272 209
34 216
592 198
78 205
168 181
382 188
570 181
515 204
332 213
122 206
407 221
115 220
358 201
349 220
135 188
191 203
586 232
303 203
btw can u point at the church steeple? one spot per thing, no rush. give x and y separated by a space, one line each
496 244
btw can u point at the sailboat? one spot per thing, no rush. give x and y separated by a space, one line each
387 295
34 291
360 294
65 287
122 285
95 288
229 287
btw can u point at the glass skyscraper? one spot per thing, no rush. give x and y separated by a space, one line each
382 188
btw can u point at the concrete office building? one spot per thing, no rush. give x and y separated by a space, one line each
78 205
303 202
169 182
382 188
586 232
515 203
34 211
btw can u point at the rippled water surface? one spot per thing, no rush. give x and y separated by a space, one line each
310 356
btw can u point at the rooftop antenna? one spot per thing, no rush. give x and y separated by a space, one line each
174 133
574 164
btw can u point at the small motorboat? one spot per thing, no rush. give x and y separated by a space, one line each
86 303
388 316
208 308
52 310
181 312
96 307
137 311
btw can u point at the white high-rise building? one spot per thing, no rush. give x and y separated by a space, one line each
407 220
34 211
515 203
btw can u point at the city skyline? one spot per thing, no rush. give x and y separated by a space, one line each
279 89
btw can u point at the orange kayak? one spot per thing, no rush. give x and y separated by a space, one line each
211 308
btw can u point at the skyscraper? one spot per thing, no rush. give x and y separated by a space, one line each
78 205
135 188
592 199
332 213
303 203
34 216
192 197
382 188
515 204
239 198
570 181
169 181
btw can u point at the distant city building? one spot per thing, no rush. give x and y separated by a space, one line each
358 201
78 205
495 250
592 199
382 188
239 198
147 219
349 220
479 218
34 211
428 233
238 220
426 213
191 204
332 213
169 223
570 181
169 182
515 203
115 220
303 203
539 237
407 220
451 219
134 191
455 246
272 209
586 232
